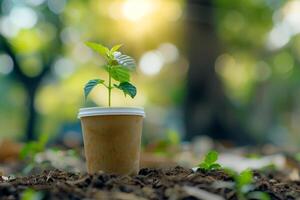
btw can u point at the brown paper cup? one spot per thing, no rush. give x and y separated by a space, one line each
112 139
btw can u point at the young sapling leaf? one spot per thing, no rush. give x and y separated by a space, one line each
125 60
102 50
120 74
90 85
116 47
118 67
127 88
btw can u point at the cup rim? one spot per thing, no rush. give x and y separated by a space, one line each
102 111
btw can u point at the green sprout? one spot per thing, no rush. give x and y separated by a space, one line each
31 149
244 185
118 66
30 194
209 162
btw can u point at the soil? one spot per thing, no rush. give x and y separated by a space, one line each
172 183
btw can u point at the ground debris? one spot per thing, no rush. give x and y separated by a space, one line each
172 183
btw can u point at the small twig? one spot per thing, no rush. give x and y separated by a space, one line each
48 176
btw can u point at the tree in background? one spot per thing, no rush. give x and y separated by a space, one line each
243 74
47 56
207 109
256 63
52 63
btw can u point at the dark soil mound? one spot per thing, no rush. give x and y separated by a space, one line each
173 183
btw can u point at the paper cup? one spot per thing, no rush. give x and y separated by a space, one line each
112 139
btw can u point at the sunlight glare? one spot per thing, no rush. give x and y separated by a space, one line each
291 12
286 25
279 36
136 10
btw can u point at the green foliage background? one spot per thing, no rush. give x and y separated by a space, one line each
261 81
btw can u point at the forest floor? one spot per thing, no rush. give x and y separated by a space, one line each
168 183
58 173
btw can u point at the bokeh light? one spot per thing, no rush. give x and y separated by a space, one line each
151 63
63 67
23 17
169 52
287 24
6 64
256 55
56 6
35 2
136 10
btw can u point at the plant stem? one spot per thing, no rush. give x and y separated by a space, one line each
109 88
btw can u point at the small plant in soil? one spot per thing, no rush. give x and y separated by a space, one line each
31 149
118 66
210 161
244 186
101 151
30 194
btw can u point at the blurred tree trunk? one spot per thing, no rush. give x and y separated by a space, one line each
31 88
31 85
32 115
207 111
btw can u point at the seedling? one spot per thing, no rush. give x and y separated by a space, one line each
209 162
30 194
118 67
244 186
31 149
243 183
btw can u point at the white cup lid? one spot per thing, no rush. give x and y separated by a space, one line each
98 111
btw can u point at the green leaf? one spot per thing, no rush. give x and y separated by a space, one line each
29 149
245 177
116 47
211 157
125 60
120 74
90 85
30 194
215 166
127 88
102 50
